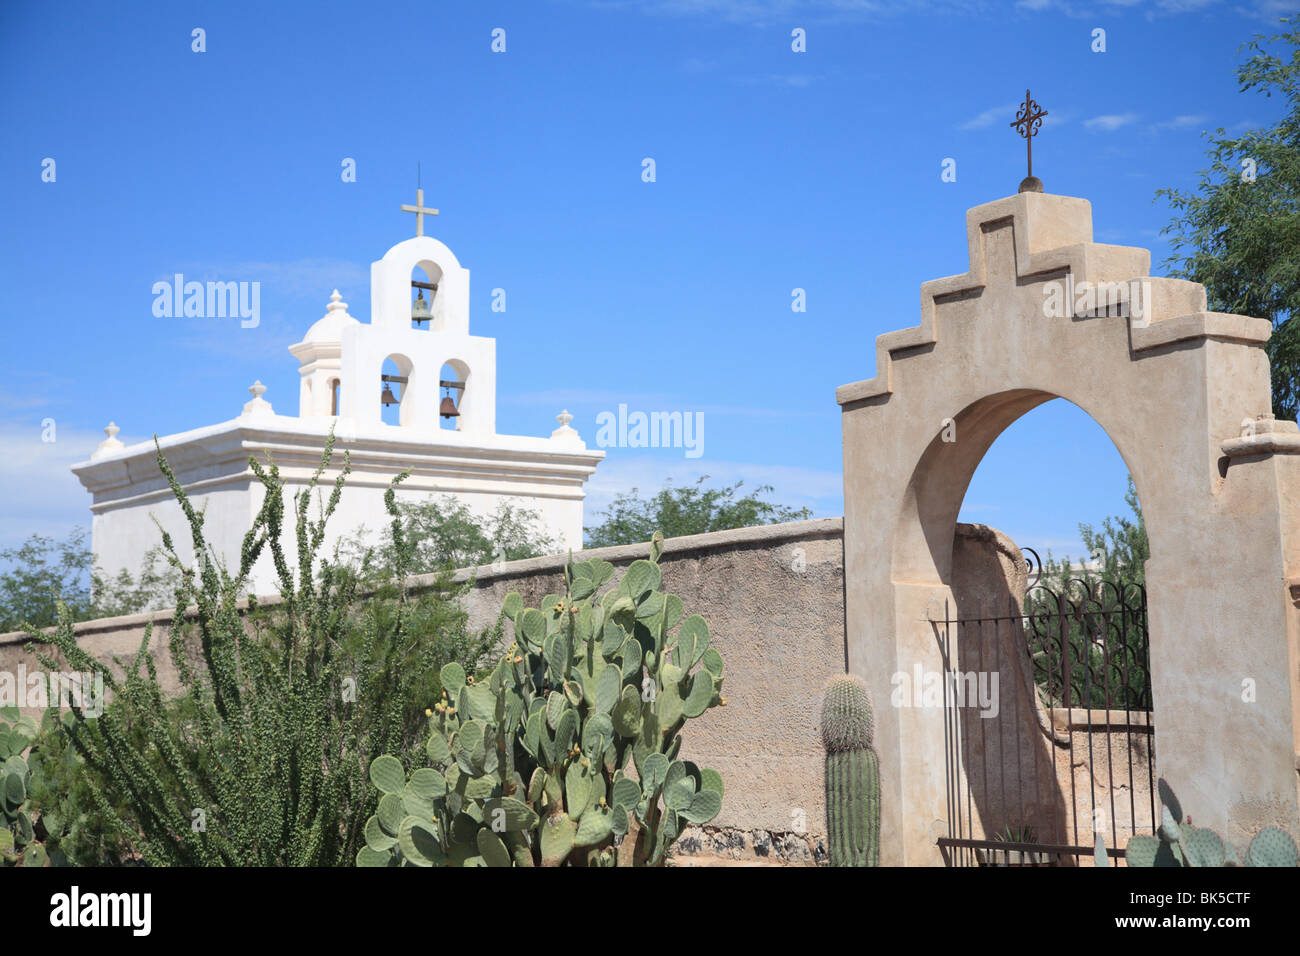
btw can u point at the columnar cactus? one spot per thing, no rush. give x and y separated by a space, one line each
529 766
852 774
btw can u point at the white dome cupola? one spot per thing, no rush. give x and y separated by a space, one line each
320 359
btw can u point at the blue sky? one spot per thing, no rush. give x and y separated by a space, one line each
774 170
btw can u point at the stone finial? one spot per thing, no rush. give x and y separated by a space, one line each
109 444
336 303
564 431
259 405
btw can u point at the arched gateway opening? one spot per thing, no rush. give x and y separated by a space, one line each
1045 696
1044 312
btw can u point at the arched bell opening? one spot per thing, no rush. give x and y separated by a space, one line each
395 382
426 307
453 386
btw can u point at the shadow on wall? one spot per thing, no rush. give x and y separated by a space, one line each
1003 776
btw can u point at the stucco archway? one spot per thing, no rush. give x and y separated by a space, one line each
1172 385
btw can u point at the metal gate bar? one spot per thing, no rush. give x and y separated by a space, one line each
1088 659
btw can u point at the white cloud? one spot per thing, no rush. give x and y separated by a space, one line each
1110 122
38 493
299 278
990 117
1185 121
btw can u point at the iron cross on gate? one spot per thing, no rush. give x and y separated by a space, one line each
1029 120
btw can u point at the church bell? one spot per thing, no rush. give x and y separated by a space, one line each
388 398
448 407
420 310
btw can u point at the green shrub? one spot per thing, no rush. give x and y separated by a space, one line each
261 759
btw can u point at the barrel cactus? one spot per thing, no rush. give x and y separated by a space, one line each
530 765
852 774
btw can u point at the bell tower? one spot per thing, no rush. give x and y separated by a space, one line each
414 352
443 374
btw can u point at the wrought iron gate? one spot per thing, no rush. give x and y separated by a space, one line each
1067 753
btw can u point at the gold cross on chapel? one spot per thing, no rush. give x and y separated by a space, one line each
1029 120
420 211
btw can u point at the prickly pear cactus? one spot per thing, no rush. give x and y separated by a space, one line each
1181 844
567 752
852 774
18 843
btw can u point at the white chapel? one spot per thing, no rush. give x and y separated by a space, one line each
414 363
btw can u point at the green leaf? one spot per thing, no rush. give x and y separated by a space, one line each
492 849
565 731
1100 857
652 604
627 713
504 814
437 749
419 843
554 708
597 733
513 605
14 790
701 695
627 793
536 785
533 733
711 780
573 692
452 677
390 813
703 807
1202 847
481 702
679 787
1272 846
577 789
692 642
653 769
557 836
1141 851
370 857
641 576
471 748
532 624
557 657
608 684
377 839
35 856
622 605
596 825
668 705
26 730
